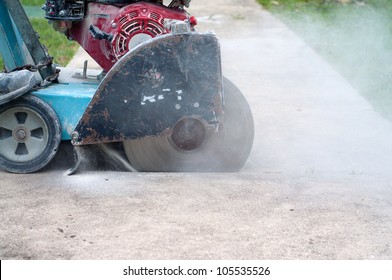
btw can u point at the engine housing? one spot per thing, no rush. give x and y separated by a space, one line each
107 32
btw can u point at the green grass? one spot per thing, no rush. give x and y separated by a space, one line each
32 2
58 45
355 38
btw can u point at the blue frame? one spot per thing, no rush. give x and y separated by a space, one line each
11 43
69 101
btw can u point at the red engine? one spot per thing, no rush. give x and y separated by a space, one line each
108 31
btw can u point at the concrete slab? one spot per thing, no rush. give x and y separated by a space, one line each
317 184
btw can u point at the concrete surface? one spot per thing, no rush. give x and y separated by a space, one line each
317 184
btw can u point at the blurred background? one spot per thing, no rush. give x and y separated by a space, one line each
354 36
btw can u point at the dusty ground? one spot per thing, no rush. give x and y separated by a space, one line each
317 184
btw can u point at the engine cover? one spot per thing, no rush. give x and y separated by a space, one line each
135 24
108 32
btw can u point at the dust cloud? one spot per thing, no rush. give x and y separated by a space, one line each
311 115
116 156
356 39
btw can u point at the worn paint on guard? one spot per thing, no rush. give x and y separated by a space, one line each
150 89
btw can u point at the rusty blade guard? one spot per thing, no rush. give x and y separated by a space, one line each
155 85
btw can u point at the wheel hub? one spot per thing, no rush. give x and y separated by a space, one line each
188 134
21 134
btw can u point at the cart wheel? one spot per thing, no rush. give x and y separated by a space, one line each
191 148
30 134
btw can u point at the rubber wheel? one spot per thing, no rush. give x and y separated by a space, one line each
226 151
30 134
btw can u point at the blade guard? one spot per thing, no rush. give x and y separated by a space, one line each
155 85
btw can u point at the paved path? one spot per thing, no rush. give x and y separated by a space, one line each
317 184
